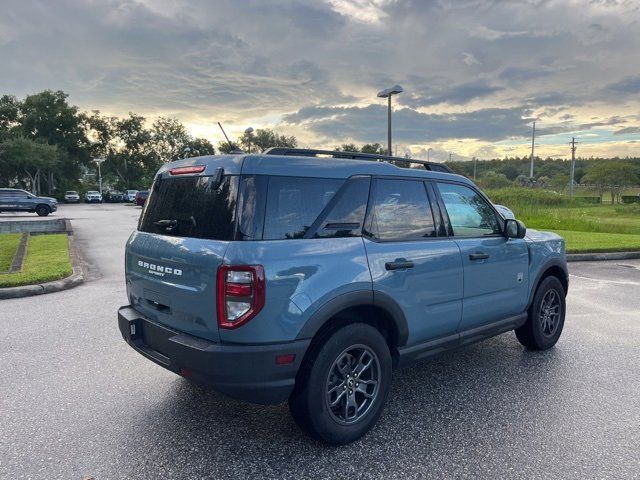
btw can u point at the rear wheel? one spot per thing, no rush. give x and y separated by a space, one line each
546 316
42 210
343 386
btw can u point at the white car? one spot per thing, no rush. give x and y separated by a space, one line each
130 195
93 196
71 196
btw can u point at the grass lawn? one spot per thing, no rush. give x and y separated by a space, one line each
8 245
47 260
583 242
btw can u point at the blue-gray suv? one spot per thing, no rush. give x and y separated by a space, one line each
309 276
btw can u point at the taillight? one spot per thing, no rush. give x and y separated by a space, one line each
241 292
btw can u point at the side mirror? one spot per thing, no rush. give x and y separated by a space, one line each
514 228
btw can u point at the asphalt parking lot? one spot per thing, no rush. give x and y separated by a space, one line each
76 401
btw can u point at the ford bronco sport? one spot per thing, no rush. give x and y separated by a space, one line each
290 275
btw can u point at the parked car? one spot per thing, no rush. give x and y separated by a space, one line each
114 196
291 276
16 200
93 196
141 197
130 195
71 196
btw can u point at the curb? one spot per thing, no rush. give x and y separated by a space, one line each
599 257
76 278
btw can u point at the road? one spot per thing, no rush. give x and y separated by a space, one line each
76 401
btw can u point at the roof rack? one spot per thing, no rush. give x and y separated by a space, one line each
312 152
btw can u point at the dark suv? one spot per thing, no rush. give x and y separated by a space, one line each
15 200
309 276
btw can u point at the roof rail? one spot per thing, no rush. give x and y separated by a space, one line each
312 152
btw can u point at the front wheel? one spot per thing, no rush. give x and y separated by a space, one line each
42 210
343 385
546 316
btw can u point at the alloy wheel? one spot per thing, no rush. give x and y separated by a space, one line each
353 384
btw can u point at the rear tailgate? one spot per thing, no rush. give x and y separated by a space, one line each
173 281
184 230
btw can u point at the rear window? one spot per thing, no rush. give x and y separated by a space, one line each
293 204
192 207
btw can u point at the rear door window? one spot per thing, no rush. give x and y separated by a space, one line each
400 211
192 206
294 203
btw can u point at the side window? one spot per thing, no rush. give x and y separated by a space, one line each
347 215
469 213
400 211
293 204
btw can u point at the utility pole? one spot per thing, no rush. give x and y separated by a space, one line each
533 140
450 156
475 167
573 165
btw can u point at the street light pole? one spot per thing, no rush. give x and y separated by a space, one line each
389 124
428 154
249 132
99 161
387 93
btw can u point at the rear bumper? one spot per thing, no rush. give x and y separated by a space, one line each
245 372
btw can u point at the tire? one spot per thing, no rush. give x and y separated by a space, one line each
545 317
42 210
335 364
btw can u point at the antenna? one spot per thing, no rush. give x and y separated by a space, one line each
224 133
233 146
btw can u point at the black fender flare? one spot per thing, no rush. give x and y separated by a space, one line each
358 298
555 262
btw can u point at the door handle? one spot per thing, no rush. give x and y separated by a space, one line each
399 265
478 256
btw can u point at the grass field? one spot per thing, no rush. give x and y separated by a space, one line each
585 242
8 245
586 227
47 259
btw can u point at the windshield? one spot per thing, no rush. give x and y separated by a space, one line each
192 207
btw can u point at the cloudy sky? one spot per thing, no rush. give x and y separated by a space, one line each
476 73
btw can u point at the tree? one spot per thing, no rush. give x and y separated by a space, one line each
492 179
22 156
264 138
226 147
616 175
374 148
348 147
9 115
169 138
597 176
200 147
47 117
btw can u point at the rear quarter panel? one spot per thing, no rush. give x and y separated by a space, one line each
301 276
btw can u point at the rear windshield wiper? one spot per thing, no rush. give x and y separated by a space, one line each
168 225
